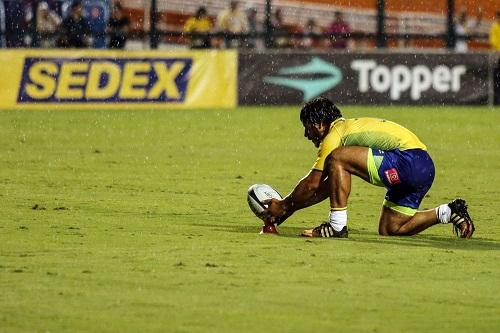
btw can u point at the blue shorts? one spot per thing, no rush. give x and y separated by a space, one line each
407 175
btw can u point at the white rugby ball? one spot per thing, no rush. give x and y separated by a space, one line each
257 193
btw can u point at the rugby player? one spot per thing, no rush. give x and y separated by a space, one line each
382 153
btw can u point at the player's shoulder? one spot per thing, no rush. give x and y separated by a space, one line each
374 120
338 122
363 121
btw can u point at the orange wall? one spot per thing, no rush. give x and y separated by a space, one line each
343 3
435 6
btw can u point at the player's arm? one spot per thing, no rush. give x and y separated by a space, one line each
314 187
310 190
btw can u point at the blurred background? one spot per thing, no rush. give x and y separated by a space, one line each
295 50
457 25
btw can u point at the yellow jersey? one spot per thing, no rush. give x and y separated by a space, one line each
198 25
495 36
366 132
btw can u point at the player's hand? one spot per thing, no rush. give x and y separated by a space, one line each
466 229
274 211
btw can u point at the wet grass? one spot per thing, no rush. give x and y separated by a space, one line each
133 221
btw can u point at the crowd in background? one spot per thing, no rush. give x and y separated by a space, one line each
235 20
63 23
104 24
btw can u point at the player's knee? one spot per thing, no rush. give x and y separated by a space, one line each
390 230
388 233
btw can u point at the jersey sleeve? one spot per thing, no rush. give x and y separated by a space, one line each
188 26
329 144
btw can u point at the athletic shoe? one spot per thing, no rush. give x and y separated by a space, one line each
462 222
325 230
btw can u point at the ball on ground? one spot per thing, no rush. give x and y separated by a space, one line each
269 229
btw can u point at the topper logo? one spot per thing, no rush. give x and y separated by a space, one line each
401 78
104 80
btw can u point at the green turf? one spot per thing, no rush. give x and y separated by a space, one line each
141 224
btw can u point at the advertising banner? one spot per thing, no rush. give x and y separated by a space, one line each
495 64
363 78
106 79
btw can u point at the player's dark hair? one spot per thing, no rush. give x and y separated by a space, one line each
202 11
319 111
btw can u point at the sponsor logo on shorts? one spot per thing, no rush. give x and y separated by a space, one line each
127 80
392 176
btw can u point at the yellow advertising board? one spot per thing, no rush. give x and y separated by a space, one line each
85 79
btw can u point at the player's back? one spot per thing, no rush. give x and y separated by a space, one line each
376 133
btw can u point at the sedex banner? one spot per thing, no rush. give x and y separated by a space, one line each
89 79
363 78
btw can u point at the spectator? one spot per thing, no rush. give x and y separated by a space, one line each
232 21
279 28
199 23
339 26
47 23
118 27
65 6
463 27
97 26
75 28
252 24
495 33
16 26
2 24
311 31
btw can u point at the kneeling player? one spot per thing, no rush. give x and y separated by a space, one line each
378 151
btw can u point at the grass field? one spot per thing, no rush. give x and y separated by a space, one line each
137 221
